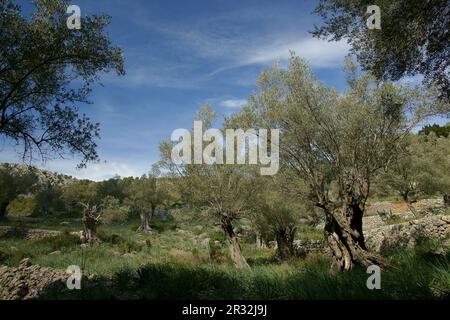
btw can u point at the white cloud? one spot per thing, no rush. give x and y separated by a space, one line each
236 103
319 53
96 171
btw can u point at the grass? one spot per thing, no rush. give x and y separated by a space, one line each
172 263
411 276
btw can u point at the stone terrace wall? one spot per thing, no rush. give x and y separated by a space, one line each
27 280
26 233
408 233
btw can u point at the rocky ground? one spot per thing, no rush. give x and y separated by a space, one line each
27 280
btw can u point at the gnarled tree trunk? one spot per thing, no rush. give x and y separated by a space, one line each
145 222
285 243
3 206
233 244
343 232
90 221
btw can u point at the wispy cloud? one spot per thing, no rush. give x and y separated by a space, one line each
319 53
236 103
193 52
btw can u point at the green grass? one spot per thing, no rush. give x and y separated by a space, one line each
410 276
170 263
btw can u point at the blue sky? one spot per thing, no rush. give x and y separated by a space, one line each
180 55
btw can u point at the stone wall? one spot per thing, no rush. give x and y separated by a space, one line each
408 233
400 235
26 233
27 280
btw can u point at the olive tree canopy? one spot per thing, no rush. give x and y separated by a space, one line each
46 69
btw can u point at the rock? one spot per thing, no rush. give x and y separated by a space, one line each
57 252
28 281
26 262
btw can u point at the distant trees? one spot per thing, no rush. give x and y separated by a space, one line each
14 182
48 200
112 210
76 192
439 131
420 169
336 143
45 70
413 38
145 194
113 187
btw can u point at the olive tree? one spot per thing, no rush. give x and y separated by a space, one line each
412 40
145 194
433 153
278 211
336 143
46 70
225 190
420 169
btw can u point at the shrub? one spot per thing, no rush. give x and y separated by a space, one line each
112 211
22 206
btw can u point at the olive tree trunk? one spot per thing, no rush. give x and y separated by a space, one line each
233 244
146 217
344 235
90 221
3 206
285 243
260 242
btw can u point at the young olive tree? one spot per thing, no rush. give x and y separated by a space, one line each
433 154
420 169
145 194
336 143
225 190
277 211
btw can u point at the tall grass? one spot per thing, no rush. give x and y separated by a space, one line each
413 274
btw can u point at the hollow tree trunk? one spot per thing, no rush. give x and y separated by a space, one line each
145 219
285 243
3 206
90 222
344 235
233 244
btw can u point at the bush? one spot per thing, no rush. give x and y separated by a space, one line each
112 211
22 206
